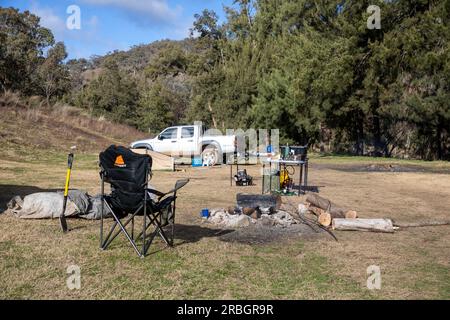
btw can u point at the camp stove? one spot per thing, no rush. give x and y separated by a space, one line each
242 178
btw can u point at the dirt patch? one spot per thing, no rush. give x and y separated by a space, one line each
259 234
376 167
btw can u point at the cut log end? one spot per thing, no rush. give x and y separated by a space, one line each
325 219
351 214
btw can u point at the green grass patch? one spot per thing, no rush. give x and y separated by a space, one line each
434 277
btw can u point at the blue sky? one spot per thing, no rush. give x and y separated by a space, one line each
107 25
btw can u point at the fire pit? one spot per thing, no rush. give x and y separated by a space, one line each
226 219
252 209
258 219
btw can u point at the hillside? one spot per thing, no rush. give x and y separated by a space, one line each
132 61
138 57
28 128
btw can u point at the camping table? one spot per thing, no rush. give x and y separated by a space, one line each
303 172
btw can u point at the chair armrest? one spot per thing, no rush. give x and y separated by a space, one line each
178 185
156 192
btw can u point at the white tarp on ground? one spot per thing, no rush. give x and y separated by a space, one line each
45 205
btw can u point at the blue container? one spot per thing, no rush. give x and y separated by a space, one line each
205 213
197 162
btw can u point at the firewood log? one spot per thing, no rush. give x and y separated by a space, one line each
325 219
351 214
327 205
316 211
375 225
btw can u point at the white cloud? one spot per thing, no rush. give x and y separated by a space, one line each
144 12
78 42
57 23
49 20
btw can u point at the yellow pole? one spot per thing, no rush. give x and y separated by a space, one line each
66 188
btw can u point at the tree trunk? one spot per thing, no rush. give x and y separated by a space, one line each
212 115
439 140
375 225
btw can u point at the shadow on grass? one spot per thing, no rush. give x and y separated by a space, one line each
193 233
8 191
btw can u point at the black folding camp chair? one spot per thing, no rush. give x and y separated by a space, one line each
127 173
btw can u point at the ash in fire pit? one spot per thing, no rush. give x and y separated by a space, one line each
252 209
236 218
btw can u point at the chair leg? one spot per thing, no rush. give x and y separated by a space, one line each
173 217
144 226
132 228
161 232
149 241
173 233
148 225
122 227
108 242
158 230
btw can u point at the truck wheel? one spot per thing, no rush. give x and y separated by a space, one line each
210 156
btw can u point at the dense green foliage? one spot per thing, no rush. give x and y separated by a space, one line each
23 64
310 68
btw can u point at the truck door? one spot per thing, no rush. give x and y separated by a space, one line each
188 141
168 141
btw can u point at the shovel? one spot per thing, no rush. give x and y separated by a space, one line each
62 217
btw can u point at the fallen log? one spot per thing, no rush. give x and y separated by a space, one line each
430 223
327 205
375 225
258 201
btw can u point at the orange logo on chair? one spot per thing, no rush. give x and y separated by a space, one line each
119 162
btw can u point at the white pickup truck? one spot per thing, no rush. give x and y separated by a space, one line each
189 141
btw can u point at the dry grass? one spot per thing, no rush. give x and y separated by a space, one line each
31 127
414 263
